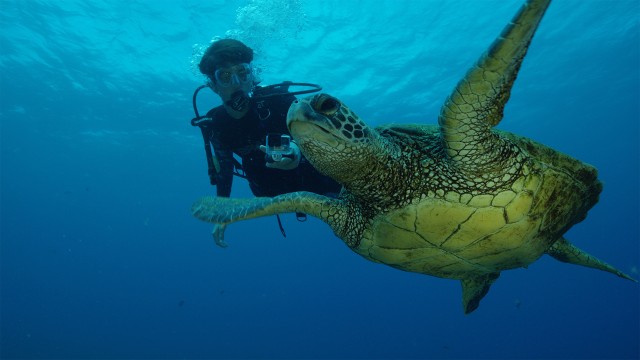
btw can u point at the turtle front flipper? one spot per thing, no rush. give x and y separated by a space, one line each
478 101
223 211
563 250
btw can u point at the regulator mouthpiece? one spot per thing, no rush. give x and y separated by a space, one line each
239 101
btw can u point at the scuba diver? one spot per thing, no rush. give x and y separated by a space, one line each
251 123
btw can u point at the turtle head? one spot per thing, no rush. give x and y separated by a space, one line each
331 136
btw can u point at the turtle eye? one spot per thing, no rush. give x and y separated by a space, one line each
327 105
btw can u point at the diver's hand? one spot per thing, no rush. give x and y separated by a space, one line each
289 161
218 234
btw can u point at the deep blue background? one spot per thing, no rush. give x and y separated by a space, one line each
101 258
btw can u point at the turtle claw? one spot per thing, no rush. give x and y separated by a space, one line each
218 235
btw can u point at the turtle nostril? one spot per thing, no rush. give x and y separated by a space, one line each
327 105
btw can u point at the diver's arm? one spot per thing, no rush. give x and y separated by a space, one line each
224 177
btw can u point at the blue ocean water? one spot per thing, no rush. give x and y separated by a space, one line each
101 258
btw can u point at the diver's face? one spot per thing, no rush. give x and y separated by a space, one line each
231 78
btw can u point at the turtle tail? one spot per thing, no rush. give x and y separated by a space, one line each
565 251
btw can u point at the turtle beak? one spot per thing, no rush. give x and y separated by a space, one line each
318 110
305 122
298 111
303 111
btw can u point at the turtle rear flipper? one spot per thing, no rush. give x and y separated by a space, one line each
474 289
563 250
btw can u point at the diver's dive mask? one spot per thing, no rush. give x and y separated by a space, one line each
239 76
234 75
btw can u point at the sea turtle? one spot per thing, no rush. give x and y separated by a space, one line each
459 200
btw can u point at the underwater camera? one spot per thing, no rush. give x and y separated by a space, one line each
278 146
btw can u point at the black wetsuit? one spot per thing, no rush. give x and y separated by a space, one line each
245 135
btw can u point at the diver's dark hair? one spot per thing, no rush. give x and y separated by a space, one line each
222 52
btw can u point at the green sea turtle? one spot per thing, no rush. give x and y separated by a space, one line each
459 200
